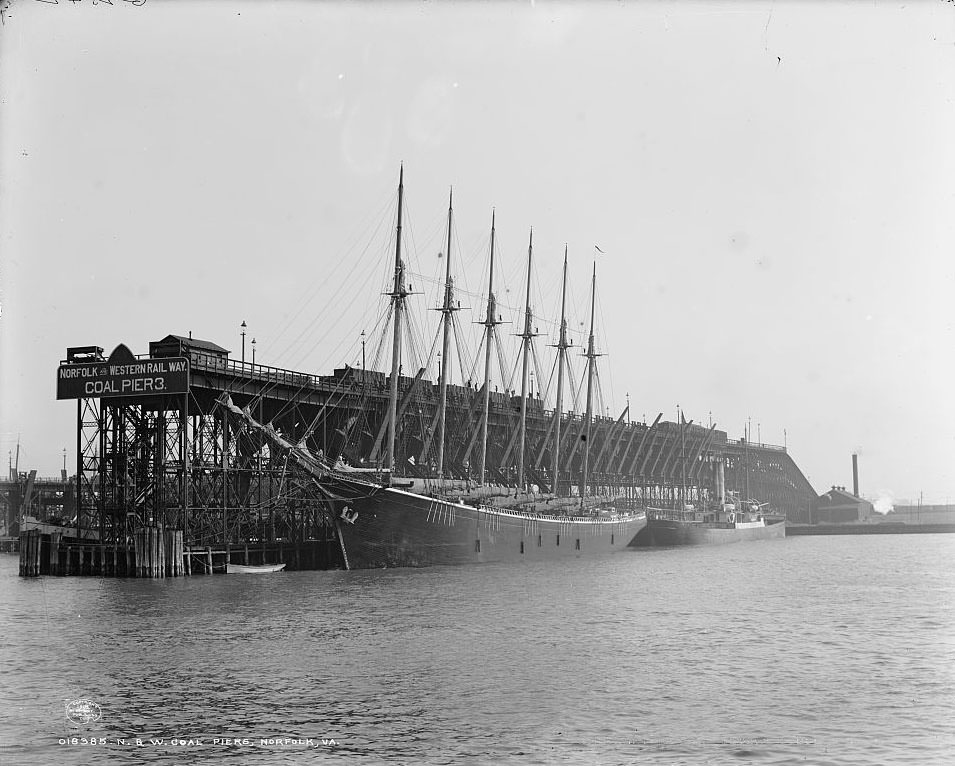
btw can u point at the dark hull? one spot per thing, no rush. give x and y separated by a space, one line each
400 529
666 532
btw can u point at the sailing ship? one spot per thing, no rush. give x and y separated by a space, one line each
381 519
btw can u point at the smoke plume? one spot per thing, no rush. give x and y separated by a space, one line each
884 503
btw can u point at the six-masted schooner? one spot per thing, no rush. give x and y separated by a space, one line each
382 519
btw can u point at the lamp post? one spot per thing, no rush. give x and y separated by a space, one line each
243 326
253 355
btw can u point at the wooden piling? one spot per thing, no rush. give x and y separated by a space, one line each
149 553
153 553
174 553
30 553
208 560
55 552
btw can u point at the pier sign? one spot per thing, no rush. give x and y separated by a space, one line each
123 375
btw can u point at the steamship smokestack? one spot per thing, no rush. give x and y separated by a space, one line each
855 474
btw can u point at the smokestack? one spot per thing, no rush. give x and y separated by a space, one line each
720 483
855 474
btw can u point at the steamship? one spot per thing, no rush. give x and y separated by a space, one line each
728 520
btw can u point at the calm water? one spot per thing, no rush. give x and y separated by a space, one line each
811 650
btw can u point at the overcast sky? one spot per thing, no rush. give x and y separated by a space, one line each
773 186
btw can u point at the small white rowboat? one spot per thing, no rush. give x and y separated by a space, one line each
261 569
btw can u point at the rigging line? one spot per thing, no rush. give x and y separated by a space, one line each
377 331
355 349
328 329
382 340
574 387
472 376
502 366
414 338
600 402
431 352
464 289
294 400
513 376
307 383
461 351
412 258
336 351
537 366
502 363
273 385
378 214
361 261
551 379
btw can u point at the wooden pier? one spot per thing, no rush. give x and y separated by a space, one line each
159 553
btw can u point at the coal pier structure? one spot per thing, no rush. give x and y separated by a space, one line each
170 482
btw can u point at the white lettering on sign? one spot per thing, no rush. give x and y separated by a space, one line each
68 373
147 368
142 385
137 386
145 377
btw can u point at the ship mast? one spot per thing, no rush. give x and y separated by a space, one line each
591 360
489 324
398 295
526 342
682 462
447 310
747 429
561 352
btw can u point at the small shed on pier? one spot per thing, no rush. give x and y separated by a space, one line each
201 352
839 506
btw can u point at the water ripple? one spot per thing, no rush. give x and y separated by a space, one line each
808 650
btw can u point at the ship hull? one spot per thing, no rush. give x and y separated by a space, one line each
669 532
393 528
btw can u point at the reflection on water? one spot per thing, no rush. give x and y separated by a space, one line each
806 650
